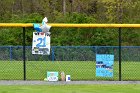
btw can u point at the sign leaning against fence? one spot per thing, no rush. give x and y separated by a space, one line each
104 65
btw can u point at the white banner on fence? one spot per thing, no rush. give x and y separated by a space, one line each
40 43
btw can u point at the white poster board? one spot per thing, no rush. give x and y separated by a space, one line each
52 76
40 43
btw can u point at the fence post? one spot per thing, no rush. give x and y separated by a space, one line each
96 50
120 55
52 53
24 63
10 53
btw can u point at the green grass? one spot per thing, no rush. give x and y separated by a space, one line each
79 70
70 89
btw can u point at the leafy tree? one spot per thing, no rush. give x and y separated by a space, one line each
77 11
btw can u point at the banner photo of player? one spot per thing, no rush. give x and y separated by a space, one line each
41 38
104 65
41 43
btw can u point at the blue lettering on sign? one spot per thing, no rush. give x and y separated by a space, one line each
42 42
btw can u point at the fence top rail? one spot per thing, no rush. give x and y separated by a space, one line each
68 25
74 46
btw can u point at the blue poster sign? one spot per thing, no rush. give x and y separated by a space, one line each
104 65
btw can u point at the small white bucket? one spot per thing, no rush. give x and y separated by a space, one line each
68 78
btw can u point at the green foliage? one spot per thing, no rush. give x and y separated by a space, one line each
73 18
13 36
72 36
26 18
89 11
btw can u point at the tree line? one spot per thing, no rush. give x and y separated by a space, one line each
71 11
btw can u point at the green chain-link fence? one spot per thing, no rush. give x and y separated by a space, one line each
78 61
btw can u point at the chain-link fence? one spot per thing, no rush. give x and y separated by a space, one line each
78 61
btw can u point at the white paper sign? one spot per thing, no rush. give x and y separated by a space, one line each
40 43
52 76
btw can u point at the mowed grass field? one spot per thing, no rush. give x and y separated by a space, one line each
133 88
79 70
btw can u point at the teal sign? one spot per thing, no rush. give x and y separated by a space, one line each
104 65
52 76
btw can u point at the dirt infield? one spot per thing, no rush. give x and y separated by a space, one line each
20 82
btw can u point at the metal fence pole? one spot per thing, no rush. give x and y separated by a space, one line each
53 54
120 12
24 63
10 53
120 55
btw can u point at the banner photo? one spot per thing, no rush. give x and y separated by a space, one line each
41 43
104 65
